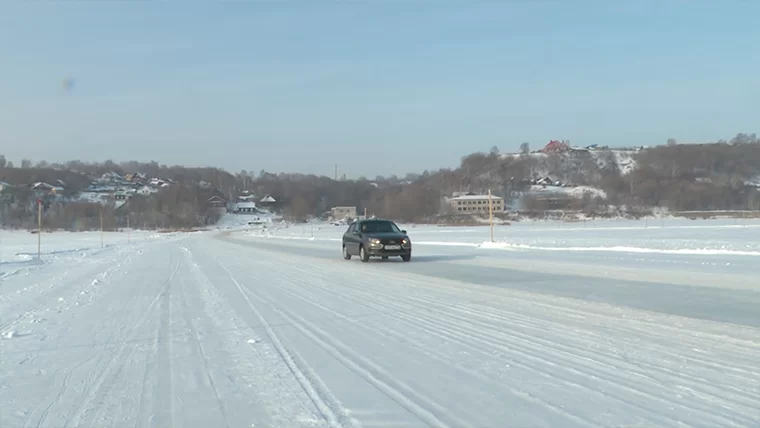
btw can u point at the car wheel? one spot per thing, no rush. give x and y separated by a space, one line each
406 257
346 255
363 254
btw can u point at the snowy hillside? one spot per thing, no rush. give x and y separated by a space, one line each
579 162
577 192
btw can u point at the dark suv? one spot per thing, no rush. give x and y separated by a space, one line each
376 238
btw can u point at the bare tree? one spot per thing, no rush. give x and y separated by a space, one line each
525 148
299 208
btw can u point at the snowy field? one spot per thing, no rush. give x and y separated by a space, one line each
598 324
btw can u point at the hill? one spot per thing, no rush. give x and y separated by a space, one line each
715 176
724 175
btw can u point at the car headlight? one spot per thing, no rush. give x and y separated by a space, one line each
406 243
374 242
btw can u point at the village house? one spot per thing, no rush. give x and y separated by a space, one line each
47 188
217 203
340 213
267 200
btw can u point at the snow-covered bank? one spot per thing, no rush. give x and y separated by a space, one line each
18 249
667 236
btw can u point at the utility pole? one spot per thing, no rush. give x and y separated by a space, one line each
336 172
490 212
39 229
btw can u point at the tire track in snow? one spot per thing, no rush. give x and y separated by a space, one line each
59 391
700 385
261 371
396 390
471 318
437 356
163 399
98 388
464 331
48 296
329 407
490 293
649 329
201 352
475 340
473 331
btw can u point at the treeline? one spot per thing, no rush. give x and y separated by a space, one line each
300 196
674 176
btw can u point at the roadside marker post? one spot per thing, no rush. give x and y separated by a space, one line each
490 212
39 229
101 227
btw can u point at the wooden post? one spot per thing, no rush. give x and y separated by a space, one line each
490 212
39 229
101 227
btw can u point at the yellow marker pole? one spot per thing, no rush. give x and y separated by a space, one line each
490 212
39 229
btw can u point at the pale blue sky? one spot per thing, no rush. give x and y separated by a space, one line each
379 87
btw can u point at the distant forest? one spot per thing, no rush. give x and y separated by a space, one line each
675 176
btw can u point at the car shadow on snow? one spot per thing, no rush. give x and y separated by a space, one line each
428 258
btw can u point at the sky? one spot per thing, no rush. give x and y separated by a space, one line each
378 87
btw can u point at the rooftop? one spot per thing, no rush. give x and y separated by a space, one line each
475 197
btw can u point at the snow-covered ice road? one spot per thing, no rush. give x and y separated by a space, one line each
207 330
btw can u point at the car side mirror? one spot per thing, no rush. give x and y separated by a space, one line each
356 232
404 232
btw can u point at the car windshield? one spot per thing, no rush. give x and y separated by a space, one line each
380 227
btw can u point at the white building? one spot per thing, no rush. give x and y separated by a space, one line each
340 213
245 207
474 204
